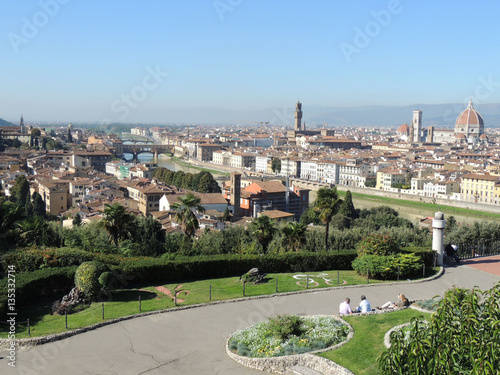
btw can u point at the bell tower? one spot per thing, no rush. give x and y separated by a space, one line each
298 116
417 125
235 193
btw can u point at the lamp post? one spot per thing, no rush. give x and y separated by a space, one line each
438 224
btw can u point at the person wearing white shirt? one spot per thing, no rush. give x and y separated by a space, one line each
345 307
364 305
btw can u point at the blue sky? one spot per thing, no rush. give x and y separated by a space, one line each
70 60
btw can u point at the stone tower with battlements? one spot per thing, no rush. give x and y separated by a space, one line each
298 116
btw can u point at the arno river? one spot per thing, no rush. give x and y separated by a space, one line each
163 161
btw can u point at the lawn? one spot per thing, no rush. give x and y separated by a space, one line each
450 210
125 302
194 166
360 353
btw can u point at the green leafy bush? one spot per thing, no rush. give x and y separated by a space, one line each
425 254
461 337
105 279
388 267
284 326
87 278
377 244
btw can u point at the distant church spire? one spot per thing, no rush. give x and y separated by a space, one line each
21 124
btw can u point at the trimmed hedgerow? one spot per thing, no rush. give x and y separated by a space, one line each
32 286
217 266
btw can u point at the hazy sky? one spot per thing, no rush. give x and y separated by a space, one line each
79 60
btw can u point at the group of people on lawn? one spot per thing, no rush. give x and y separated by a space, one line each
364 305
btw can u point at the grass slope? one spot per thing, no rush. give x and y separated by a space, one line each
360 353
431 207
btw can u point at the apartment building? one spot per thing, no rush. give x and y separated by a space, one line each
478 188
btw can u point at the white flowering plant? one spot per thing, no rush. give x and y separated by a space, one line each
288 334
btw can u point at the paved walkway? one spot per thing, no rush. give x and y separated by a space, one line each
486 264
192 341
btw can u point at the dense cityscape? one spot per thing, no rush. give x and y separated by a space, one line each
242 187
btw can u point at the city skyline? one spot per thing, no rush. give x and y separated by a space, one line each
116 62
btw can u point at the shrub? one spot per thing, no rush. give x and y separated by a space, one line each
87 278
284 326
105 279
425 254
377 244
387 267
461 337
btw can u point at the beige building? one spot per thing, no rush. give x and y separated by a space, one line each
55 194
387 178
479 188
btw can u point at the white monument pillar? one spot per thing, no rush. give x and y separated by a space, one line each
438 224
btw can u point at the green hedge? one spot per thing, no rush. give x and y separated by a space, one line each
32 259
32 286
387 267
198 268
424 253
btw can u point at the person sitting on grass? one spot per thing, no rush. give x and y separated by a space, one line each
403 302
364 305
345 307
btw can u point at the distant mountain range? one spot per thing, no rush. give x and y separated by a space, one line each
5 123
441 115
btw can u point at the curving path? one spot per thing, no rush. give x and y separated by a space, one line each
192 341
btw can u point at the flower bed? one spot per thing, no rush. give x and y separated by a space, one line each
287 335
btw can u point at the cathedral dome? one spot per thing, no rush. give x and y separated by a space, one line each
469 117
404 129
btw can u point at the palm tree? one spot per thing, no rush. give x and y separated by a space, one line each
117 222
327 203
294 235
185 213
30 231
263 228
